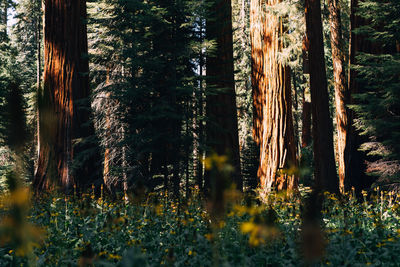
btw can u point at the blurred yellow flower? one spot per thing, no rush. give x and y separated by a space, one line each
114 257
259 233
209 236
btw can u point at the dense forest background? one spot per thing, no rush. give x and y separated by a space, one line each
193 102
157 106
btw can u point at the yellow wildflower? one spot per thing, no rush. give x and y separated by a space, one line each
209 236
114 257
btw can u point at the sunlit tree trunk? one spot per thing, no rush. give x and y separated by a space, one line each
273 124
222 126
341 90
62 119
107 150
38 74
324 170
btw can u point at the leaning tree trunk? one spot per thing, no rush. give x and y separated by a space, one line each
222 126
325 170
272 124
342 95
65 85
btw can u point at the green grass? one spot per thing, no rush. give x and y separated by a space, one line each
157 231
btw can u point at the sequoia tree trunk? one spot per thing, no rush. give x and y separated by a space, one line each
222 126
62 115
272 123
324 170
342 95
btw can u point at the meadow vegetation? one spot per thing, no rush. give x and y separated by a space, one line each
90 229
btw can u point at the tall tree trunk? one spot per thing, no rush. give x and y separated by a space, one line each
65 85
325 170
222 125
38 74
296 110
273 123
342 95
200 132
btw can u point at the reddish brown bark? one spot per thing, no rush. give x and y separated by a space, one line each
65 83
324 170
222 126
272 101
342 95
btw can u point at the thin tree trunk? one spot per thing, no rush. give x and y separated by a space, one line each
296 110
107 158
38 80
325 170
187 151
271 82
200 133
195 126
222 125
342 95
65 82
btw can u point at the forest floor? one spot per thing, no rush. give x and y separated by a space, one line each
87 230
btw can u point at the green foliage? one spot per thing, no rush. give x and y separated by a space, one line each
378 69
15 90
16 132
157 231
143 69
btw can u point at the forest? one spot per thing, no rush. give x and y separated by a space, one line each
199 133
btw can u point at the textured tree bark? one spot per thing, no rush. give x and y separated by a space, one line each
222 126
61 117
342 94
273 123
325 170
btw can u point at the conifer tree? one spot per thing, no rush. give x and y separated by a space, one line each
221 111
325 169
273 123
374 82
342 95
142 55
63 103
